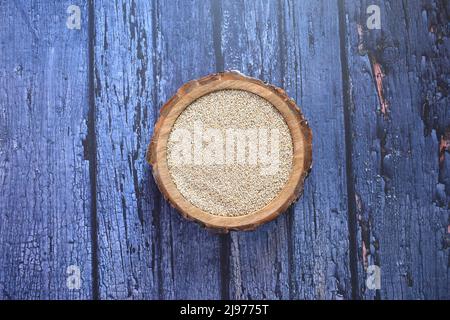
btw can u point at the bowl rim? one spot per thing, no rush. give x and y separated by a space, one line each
301 138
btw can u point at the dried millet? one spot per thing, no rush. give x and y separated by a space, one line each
231 189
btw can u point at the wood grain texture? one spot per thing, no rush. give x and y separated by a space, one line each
398 80
142 55
259 262
305 253
319 224
75 121
191 265
44 176
124 103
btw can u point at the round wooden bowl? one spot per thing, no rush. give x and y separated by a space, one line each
299 130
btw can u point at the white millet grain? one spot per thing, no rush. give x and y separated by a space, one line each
231 189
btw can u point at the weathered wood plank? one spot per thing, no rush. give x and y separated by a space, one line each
44 176
304 253
398 79
124 103
259 262
319 224
144 51
190 257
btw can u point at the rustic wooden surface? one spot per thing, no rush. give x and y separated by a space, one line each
77 110
45 197
398 83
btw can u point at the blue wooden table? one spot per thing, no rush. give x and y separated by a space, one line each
80 214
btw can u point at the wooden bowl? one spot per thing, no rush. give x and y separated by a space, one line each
298 127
